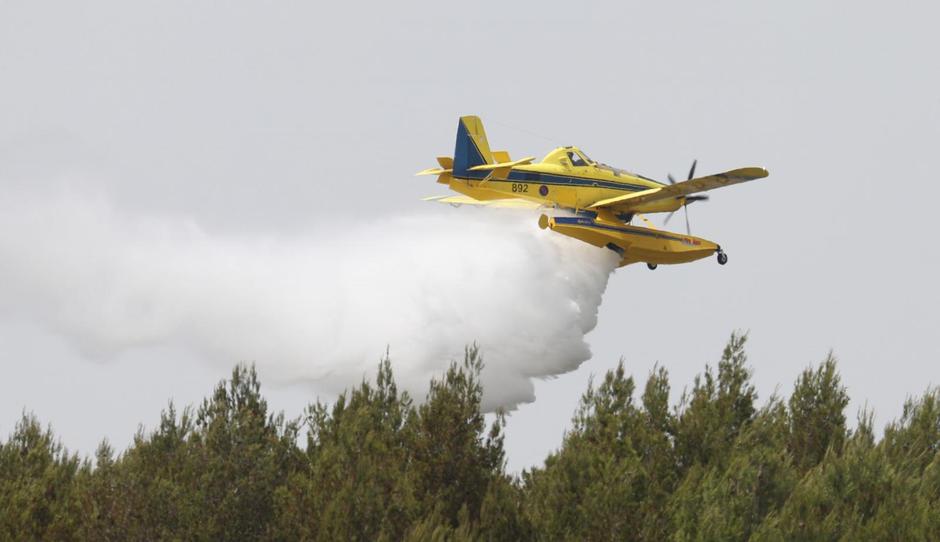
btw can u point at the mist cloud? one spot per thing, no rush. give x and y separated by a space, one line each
318 308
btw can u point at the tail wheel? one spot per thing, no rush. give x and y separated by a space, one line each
651 266
722 258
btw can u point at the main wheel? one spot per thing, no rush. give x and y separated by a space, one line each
651 266
722 258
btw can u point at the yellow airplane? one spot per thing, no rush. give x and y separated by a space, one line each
597 202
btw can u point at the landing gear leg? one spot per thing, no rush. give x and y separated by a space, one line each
722 257
651 266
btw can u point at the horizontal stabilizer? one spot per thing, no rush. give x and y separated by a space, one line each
434 171
447 166
501 165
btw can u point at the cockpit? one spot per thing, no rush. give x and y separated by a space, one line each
577 157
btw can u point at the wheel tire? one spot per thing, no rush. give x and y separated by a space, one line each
652 266
722 258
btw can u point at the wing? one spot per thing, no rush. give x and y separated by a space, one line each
457 201
685 188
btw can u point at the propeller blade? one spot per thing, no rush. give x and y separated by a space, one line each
688 228
668 217
692 171
671 180
691 199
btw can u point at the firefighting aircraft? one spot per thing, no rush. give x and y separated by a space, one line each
596 203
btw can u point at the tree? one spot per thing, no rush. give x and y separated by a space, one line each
37 485
243 454
817 419
716 410
728 500
375 466
354 484
454 458
595 486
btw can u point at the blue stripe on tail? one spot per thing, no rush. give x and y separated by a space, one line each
466 153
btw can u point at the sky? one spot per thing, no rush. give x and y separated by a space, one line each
264 122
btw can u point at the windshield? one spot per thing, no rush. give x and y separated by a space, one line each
576 159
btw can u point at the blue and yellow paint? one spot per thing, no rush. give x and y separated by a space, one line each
603 198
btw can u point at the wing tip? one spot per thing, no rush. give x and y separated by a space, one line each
754 172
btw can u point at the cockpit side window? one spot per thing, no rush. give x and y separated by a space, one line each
576 159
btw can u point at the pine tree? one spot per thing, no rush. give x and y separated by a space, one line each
594 487
817 419
716 410
354 484
378 467
37 485
454 458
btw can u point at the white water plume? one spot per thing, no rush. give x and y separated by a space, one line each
317 308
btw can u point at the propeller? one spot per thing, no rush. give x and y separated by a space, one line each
688 199
691 173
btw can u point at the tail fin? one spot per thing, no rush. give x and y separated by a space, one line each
472 148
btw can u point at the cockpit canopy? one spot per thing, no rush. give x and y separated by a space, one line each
572 156
578 158
575 157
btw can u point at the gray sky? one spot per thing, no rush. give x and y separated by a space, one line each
274 118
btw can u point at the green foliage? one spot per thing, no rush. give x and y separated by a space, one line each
718 407
379 468
453 462
728 499
37 485
817 414
888 490
595 486
353 485
376 466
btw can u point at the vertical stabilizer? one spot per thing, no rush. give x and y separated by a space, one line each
472 149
